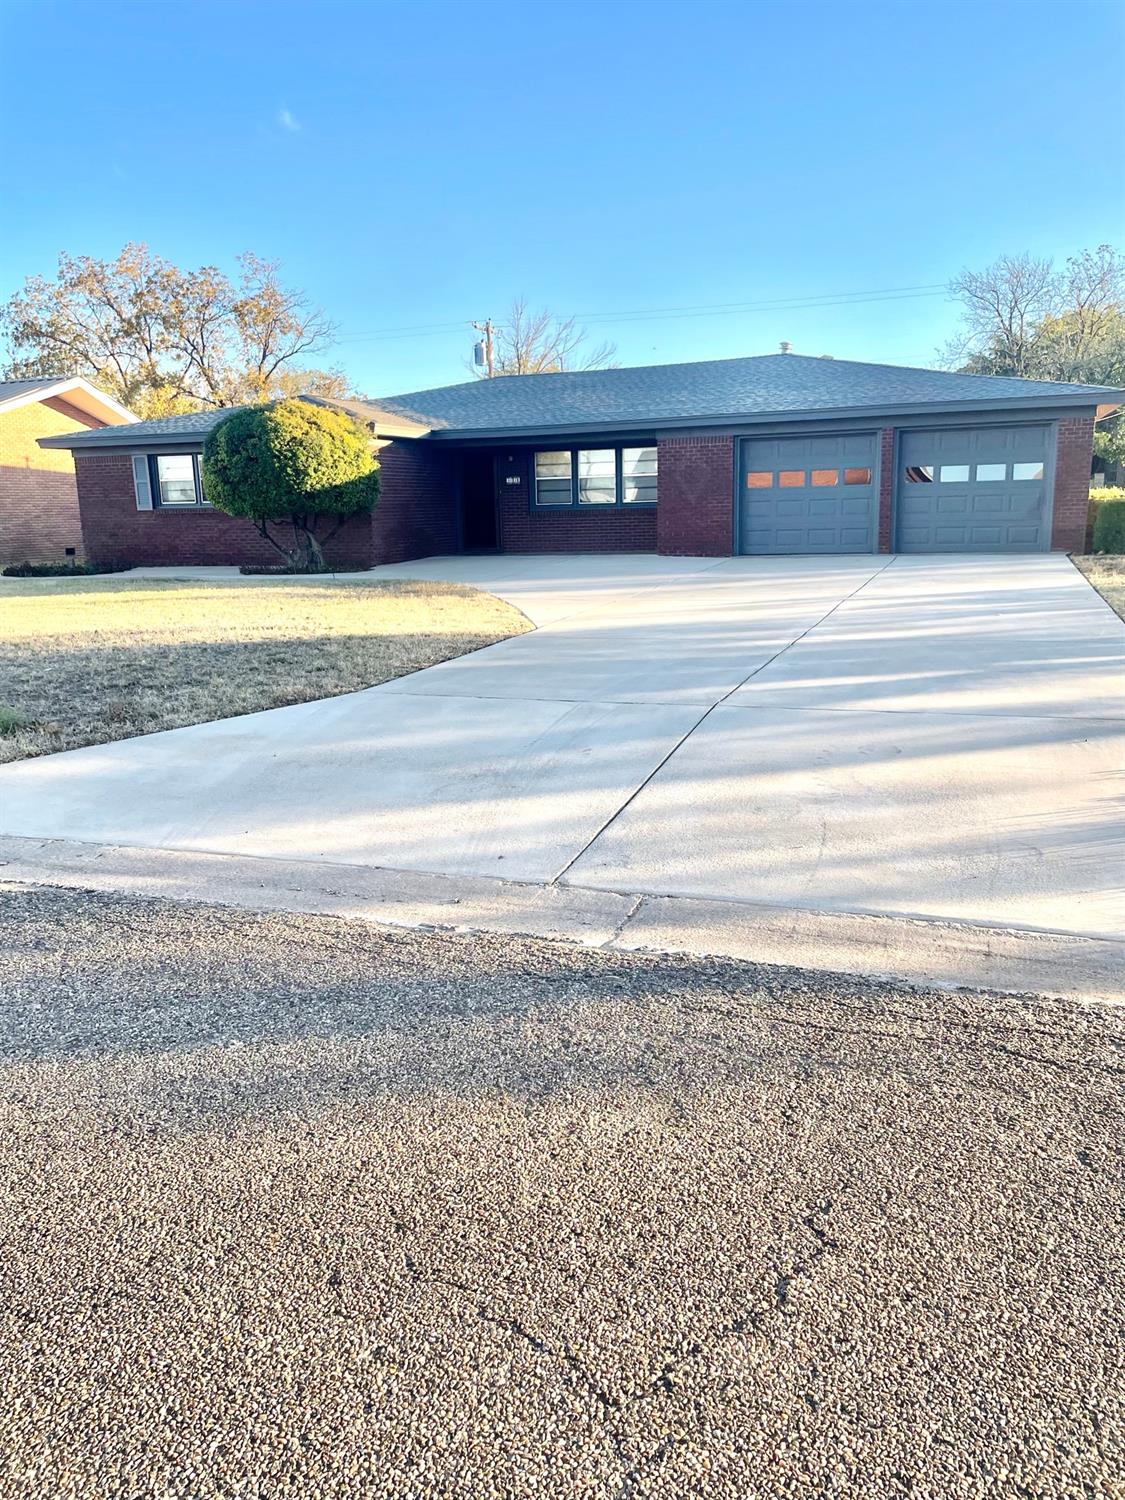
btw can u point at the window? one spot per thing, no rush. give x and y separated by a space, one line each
552 479
591 477
919 474
1027 471
597 476
990 473
791 479
638 476
857 476
175 480
954 473
759 479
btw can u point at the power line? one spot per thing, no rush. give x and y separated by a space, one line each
699 310
814 300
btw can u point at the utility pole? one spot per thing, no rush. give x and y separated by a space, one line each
487 329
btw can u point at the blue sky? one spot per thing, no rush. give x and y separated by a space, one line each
416 166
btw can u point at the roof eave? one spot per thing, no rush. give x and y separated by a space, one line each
93 402
120 441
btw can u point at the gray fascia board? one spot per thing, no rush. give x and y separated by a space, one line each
138 445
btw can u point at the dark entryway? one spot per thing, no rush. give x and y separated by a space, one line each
478 503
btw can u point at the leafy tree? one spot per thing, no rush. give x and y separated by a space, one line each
1109 441
538 343
296 463
164 340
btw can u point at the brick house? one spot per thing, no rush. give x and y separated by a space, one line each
770 454
39 516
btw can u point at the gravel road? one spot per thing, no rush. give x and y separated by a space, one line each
295 1206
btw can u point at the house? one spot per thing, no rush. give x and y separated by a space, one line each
39 517
771 454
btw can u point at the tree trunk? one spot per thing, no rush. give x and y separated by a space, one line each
310 550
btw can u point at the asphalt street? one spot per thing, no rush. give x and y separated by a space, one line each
293 1205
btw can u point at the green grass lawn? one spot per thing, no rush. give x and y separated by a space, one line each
87 660
1107 575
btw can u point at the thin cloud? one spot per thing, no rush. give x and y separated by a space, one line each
288 121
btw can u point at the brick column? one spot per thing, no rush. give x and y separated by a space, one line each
886 487
695 510
1074 449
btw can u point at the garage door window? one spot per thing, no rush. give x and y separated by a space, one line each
857 476
954 473
991 473
919 474
759 479
824 478
1027 471
791 479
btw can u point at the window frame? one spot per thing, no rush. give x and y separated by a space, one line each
158 502
575 503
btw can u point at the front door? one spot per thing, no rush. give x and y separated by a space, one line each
478 503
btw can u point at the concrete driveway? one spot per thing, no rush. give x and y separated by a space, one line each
934 737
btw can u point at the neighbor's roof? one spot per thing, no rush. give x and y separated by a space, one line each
714 391
76 389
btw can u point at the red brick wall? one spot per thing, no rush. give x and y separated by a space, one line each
116 531
696 511
39 516
417 511
886 487
573 529
1073 455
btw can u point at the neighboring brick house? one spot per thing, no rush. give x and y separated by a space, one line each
771 454
39 517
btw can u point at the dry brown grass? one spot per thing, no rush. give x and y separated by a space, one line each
1107 575
83 661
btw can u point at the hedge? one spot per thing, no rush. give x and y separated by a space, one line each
1109 520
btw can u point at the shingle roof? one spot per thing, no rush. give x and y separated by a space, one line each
193 425
10 388
710 390
715 391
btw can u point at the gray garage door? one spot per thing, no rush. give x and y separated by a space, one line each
973 489
808 494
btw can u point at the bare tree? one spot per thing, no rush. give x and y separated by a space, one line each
1022 317
1003 308
538 343
162 339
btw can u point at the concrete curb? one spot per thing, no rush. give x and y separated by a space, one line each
946 955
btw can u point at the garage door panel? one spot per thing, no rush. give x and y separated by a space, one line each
807 494
990 477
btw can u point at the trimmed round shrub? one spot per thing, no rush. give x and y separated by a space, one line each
291 462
